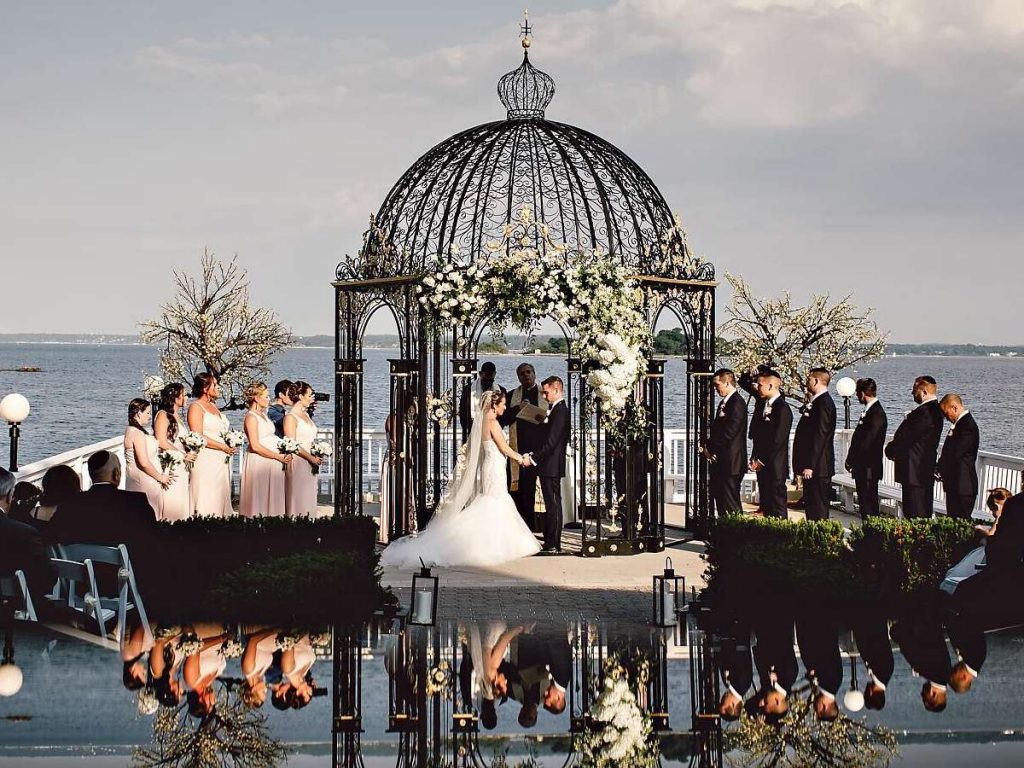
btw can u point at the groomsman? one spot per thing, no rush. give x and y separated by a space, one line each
726 449
913 449
864 458
471 394
958 461
769 432
737 670
817 636
814 457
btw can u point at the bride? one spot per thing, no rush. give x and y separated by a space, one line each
477 522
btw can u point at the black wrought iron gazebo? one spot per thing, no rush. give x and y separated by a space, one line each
462 197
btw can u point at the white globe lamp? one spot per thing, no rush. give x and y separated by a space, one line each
10 679
846 387
853 700
14 409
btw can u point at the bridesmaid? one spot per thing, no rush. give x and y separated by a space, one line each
169 429
210 485
301 482
263 481
140 457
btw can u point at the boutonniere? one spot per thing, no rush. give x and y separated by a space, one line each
805 409
767 412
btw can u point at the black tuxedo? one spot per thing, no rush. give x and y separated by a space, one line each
537 658
864 458
22 549
770 436
773 652
465 405
814 449
923 645
817 635
735 663
871 632
958 467
550 461
727 444
913 450
529 437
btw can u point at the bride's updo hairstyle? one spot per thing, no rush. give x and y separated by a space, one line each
135 407
253 391
168 397
201 383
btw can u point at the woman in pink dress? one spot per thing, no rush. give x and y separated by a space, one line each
143 470
302 472
263 477
167 426
210 484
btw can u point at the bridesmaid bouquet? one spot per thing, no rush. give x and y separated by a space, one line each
169 461
320 449
192 442
232 438
287 446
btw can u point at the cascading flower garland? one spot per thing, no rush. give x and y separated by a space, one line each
620 733
528 276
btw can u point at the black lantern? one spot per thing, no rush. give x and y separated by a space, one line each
669 594
423 606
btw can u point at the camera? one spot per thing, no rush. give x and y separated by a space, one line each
321 397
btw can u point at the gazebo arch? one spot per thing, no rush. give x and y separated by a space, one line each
459 201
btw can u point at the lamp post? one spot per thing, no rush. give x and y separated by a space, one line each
11 677
846 387
423 610
14 409
854 698
668 588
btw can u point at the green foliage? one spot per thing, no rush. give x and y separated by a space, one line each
493 348
344 585
555 345
885 558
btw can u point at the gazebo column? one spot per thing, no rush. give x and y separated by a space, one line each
699 372
657 494
348 420
402 426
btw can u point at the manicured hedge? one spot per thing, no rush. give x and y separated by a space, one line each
752 557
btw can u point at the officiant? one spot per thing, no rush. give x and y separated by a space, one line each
525 421
469 402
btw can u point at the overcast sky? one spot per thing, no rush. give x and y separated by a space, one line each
872 146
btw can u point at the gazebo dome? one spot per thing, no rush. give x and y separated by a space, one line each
460 194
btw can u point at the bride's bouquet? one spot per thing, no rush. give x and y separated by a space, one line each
169 461
232 438
320 449
289 447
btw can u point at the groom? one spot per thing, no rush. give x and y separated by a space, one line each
549 459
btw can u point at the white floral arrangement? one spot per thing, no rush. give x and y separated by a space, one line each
169 460
147 704
232 438
193 442
287 640
621 735
454 292
439 408
190 644
166 631
321 449
320 639
152 386
289 447
439 680
231 649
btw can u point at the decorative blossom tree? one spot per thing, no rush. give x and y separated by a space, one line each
793 339
210 326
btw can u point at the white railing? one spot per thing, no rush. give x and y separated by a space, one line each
994 469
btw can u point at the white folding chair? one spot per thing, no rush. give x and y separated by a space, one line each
70 574
16 588
128 596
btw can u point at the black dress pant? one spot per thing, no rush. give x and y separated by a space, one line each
958 504
551 488
816 493
917 501
773 493
725 490
867 496
525 496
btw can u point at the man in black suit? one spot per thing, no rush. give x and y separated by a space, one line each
923 645
524 436
737 670
544 663
817 635
913 449
864 458
775 661
769 431
21 547
958 462
871 633
814 457
967 637
726 449
106 515
550 462
469 402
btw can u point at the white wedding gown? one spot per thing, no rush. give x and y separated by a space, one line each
487 530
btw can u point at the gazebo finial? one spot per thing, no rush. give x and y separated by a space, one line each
525 30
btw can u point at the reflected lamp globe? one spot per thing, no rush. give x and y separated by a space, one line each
14 408
853 700
846 387
10 679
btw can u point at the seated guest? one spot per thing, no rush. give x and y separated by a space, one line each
24 501
106 515
60 483
21 547
994 502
